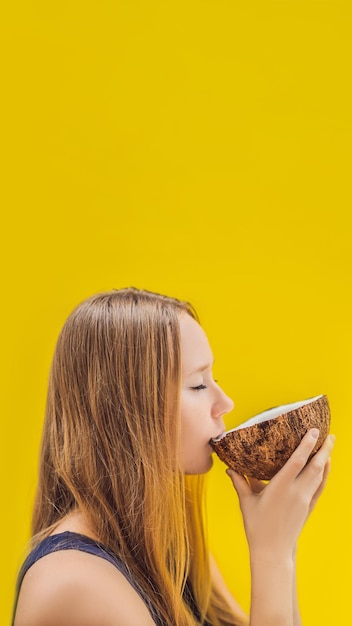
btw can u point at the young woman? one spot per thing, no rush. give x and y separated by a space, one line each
118 538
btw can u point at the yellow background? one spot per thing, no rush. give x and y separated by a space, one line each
201 149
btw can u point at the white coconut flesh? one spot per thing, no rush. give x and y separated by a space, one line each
270 414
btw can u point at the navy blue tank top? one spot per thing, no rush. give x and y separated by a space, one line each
75 541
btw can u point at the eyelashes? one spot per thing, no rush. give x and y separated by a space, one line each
200 387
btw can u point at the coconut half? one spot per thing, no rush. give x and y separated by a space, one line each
261 446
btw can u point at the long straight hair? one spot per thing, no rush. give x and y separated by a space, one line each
110 448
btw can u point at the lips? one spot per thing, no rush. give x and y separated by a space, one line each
218 436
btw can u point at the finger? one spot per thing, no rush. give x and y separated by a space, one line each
299 458
321 486
314 472
240 484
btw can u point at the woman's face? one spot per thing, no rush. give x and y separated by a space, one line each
203 403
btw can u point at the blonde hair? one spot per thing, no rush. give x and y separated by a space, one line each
110 448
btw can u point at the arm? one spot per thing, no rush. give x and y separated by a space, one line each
271 592
296 613
274 516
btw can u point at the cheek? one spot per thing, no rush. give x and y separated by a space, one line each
190 415
195 458
194 428
189 426
195 409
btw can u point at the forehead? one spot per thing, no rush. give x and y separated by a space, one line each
195 349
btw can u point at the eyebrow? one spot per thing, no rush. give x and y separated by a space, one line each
201 368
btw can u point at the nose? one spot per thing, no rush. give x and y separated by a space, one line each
222 405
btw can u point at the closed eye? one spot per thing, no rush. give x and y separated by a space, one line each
199 387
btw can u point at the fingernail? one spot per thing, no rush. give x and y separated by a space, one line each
314 433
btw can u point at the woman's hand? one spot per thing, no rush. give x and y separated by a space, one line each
275 513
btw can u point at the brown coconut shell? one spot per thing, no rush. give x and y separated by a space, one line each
260 450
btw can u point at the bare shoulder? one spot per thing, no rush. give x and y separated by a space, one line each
75 588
